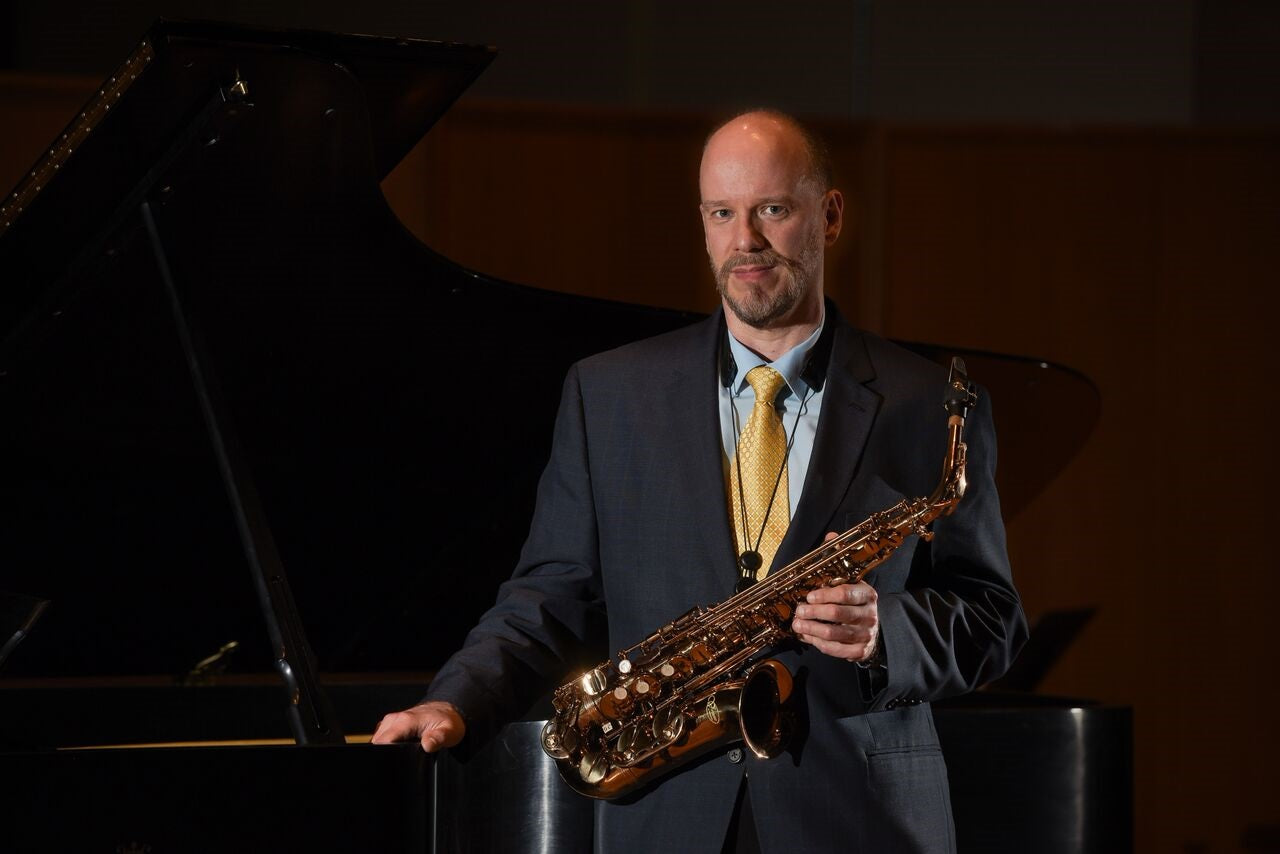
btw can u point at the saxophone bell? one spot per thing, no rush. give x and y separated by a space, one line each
763 714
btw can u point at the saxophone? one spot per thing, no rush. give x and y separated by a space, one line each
698 682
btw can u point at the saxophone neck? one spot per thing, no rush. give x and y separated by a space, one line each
960 397
951 485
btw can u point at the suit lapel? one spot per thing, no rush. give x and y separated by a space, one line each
695 384
848 412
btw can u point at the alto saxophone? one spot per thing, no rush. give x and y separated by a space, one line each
698 682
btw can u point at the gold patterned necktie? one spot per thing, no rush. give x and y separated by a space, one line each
758 475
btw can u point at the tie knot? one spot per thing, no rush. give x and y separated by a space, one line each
766 382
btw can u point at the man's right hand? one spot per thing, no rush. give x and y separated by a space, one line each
435 725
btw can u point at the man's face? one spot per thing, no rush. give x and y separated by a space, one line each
765 220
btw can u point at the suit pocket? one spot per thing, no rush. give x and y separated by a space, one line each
910 784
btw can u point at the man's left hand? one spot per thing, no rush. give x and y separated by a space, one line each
842 621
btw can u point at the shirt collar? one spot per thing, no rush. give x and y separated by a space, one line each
789 364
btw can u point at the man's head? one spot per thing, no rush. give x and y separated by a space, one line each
767 212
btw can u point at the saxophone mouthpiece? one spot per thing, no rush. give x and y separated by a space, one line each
960 397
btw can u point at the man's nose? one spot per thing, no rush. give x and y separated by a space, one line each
747 236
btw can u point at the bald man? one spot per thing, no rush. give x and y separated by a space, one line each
634 515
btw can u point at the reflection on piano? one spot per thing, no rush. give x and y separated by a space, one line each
222 355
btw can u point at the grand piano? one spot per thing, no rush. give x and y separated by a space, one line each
221 355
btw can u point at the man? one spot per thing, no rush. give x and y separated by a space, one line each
645 508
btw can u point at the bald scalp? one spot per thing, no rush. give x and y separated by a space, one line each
816 151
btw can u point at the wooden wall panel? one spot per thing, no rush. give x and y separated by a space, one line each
1145 260
584 202
34 109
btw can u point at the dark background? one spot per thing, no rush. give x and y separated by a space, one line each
1180 62
1096 184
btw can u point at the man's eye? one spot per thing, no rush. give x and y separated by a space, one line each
773 210
720 214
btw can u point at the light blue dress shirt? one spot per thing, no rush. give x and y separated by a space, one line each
799 406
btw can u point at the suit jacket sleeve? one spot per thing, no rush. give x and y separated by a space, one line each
959 622
549 616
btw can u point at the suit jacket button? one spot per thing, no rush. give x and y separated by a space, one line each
735 755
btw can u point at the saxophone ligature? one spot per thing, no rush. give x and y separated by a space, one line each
701 681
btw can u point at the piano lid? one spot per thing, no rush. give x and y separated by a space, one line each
67 212
372 381
374 384
1044 413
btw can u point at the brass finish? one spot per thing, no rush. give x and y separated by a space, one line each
698 683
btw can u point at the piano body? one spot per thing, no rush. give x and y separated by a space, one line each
221 355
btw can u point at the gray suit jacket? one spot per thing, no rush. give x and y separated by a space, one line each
631 529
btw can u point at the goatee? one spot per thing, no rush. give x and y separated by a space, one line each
760 307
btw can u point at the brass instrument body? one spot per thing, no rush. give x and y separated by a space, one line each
699 682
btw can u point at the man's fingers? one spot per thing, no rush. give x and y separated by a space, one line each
840 621
397 726
849 652
861 593
836 613
433 725
441 734
837 632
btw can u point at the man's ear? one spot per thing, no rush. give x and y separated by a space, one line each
833 215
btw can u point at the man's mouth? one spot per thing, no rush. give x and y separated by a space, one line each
751 271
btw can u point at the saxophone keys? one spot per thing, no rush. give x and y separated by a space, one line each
593 767
669 725
555 742
633 743
570 740
782 610
667 670
593 682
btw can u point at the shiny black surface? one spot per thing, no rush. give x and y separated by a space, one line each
1028 773
351 799
40 714
1033 773
394 410
509 797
